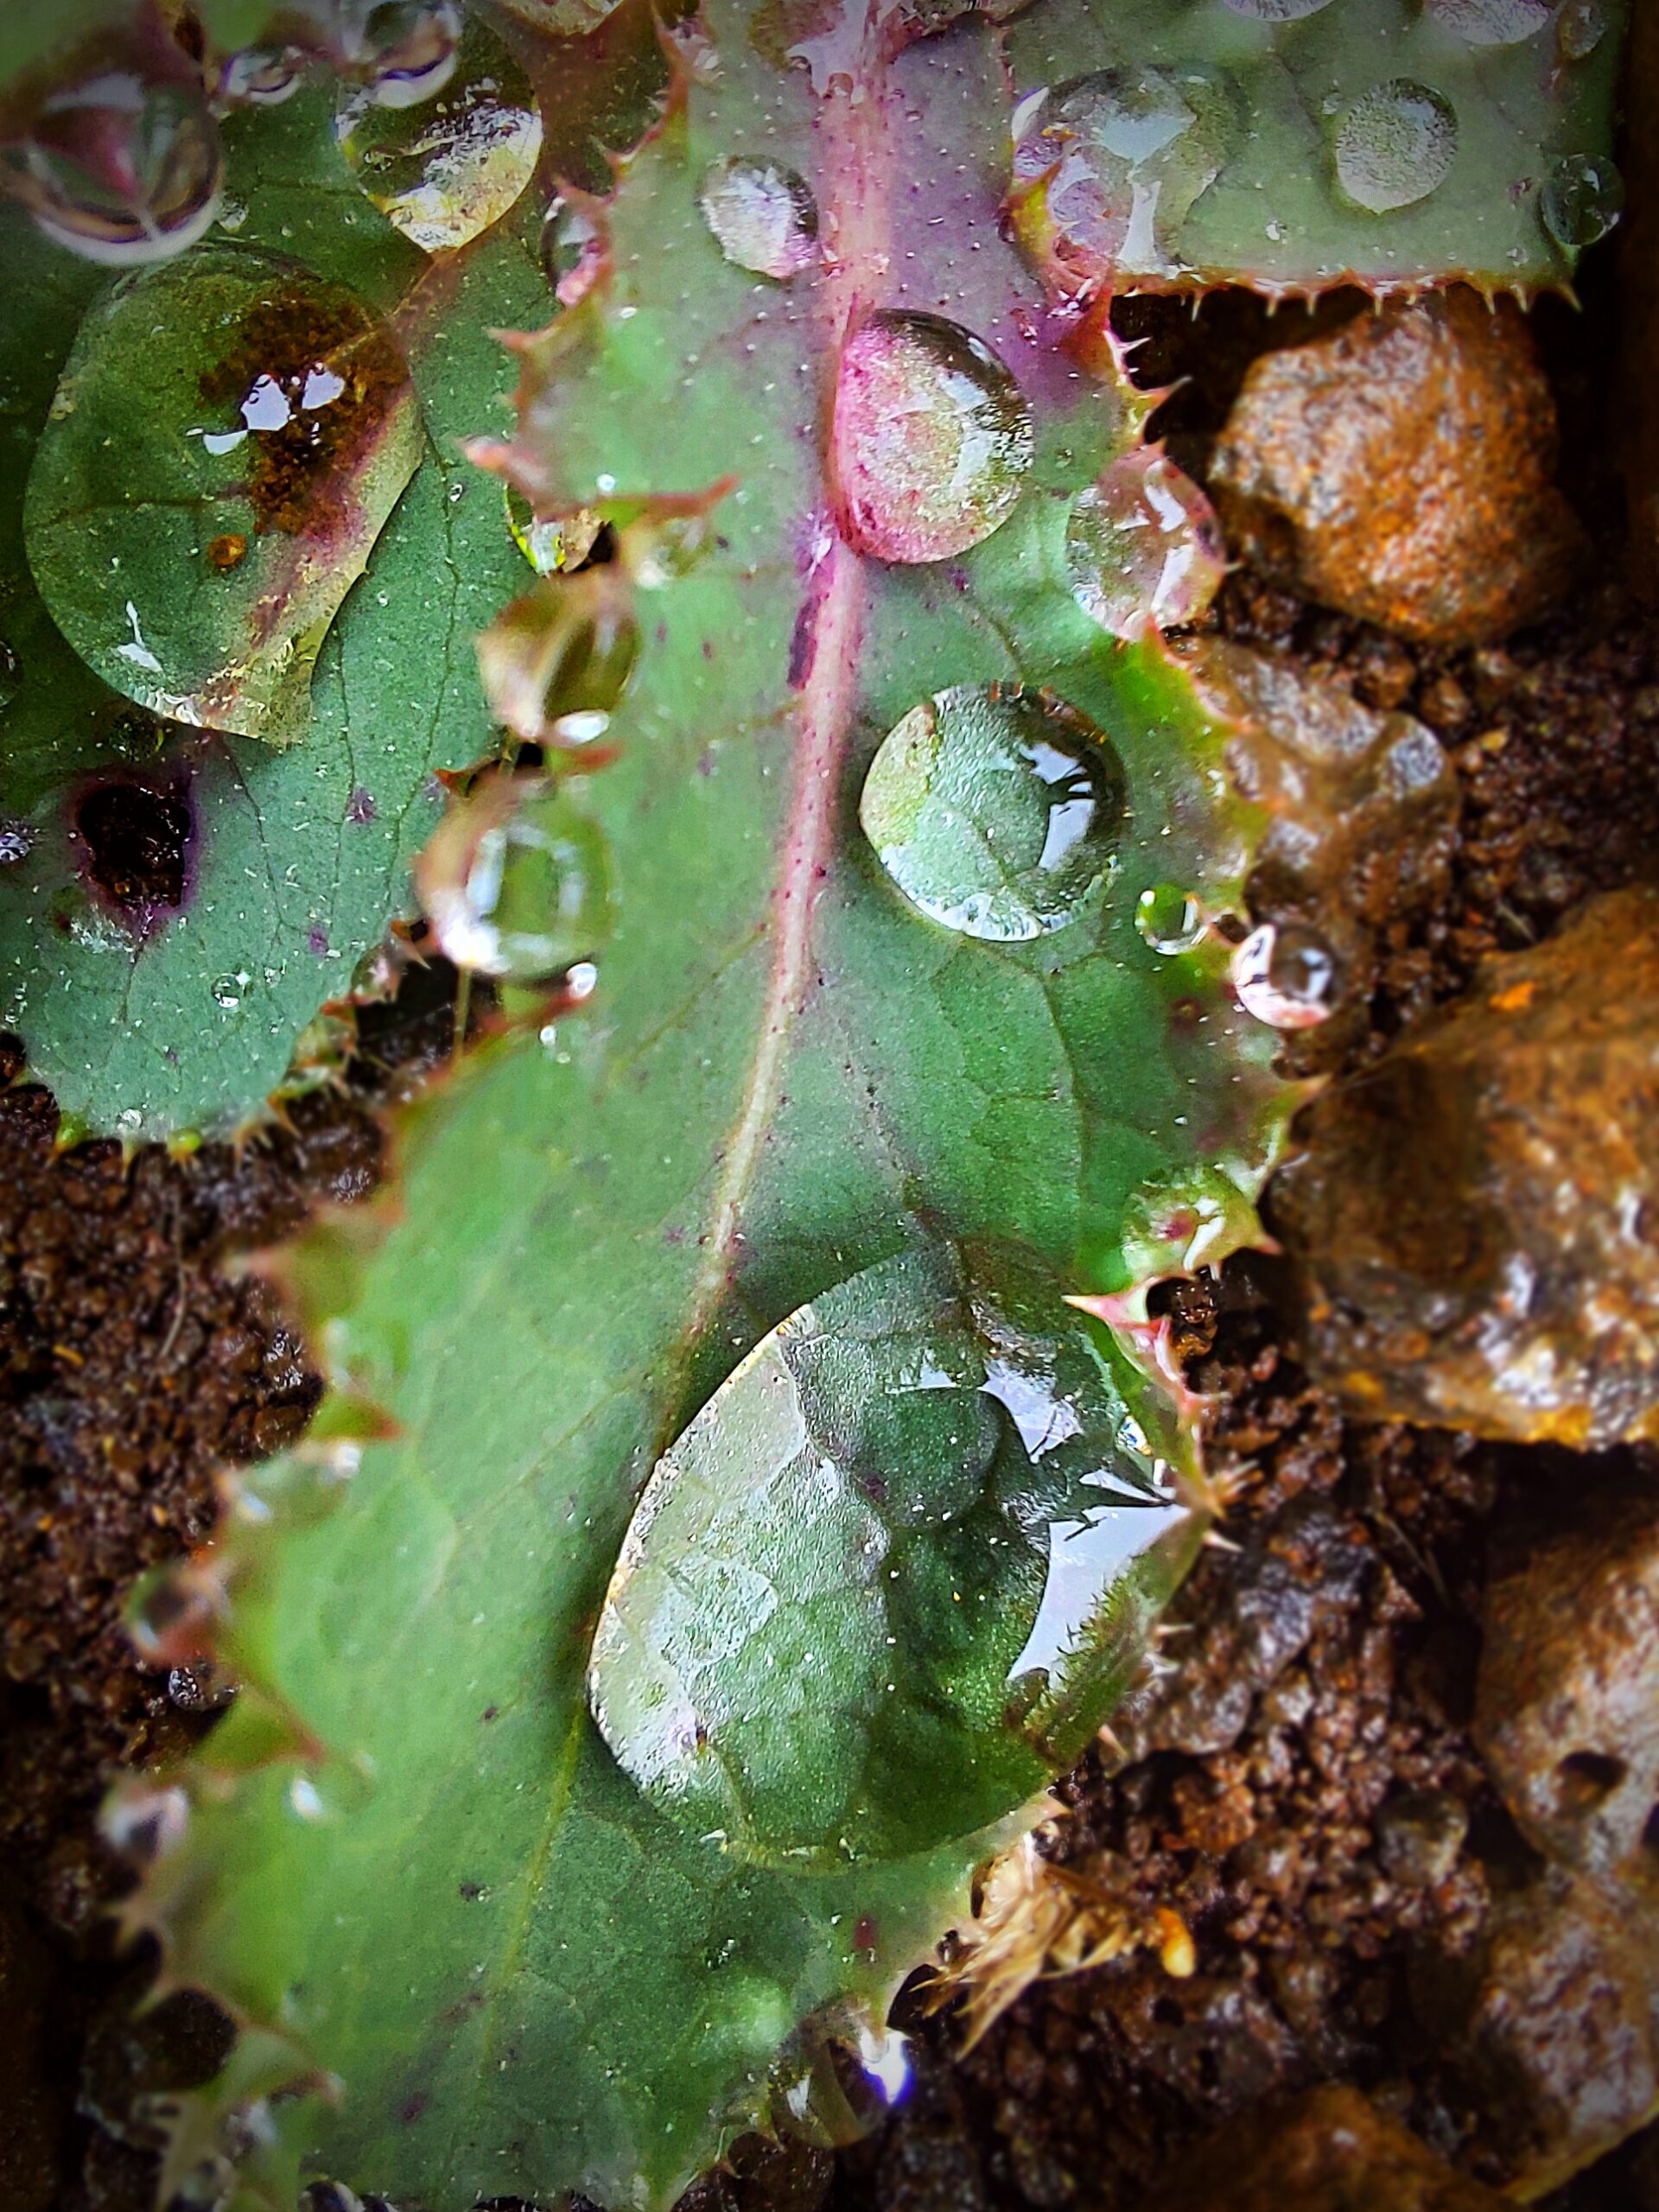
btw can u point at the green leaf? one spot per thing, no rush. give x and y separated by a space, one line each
1387 142
179 1006
410 1864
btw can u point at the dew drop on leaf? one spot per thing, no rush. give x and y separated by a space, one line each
445 171
1580 29
1276 11
1492 22
1111 163
1169 918
1395 145
227 991
1582 199
762 216
406 51
1143 547
895 1569
1286 975
123 168
516 881
259 76
932 438
995 811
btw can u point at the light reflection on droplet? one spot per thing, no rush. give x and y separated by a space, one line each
1286 975
1581 200
762 216
1143 547
1395 145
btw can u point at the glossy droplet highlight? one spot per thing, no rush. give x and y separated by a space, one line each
231 436
892 1574
556 663
1276 11
1168 918
1395 145
227 990
260 77
932 438
406 51
1286 975
1581 200
1492 22
448 169
997 813
121 169
762 216
516 881
1108 167
1143 547
1579 29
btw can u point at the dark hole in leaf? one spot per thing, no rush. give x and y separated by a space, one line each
1585 1779
137 839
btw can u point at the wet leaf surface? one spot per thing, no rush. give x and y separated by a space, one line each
784 1074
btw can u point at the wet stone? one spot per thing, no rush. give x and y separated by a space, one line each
1420 1836
1402 470
932 438
1567 1713
1474 1215
996 813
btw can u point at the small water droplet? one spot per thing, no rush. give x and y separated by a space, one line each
260 76
1107 167
1276 11
995 811
1286 975
1581 200
932 438
305 1798
762 216
227 990
1395 145
1580 29
406 50
1492 22
122 168
1143 547
445 174
516 883
572 250
1169 918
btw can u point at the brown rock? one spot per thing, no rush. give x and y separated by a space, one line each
1329 2151
1401 470
1566 1707
1477 1218
1553 2021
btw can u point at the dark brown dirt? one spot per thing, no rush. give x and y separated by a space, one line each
1310 1801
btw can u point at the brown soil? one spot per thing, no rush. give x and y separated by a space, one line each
131 1366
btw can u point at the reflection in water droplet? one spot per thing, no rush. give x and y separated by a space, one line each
1277 11
260 77
446 171
1169 918
996 812
1395 145
550 547
227 990
516 883
932 438
1108 167
1286 975
1492 22
1582 199
762 216
572 250
406 50
896 1568
121 169
1143 547
1580 29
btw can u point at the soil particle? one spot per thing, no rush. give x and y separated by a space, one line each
1402 470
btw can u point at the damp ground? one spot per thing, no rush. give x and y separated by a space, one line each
136 1362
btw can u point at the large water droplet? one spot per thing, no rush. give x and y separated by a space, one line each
762 216
406 51
1395 145
516 881
1579 29
1169 918
1276 11
1492 22
1581 200
1143 547
896 1568
1286 975
932 438
445 172
260 76
557 661
997 813
123 168
1108 167
268 426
